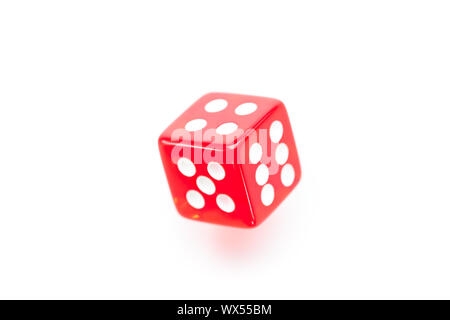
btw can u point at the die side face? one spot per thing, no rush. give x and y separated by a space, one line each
274 171
215 172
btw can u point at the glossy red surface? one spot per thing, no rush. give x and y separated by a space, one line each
232 153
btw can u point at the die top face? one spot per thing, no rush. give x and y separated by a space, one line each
220 118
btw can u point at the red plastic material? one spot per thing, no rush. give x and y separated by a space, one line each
221 176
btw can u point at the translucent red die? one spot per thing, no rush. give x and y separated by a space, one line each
230 159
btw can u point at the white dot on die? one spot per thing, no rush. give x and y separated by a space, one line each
282 154
287 175
256 153
262 174
225 203
206 185
186 167
195 199
195 125
267 195
216 171
227 128
246 108
276 131
216 105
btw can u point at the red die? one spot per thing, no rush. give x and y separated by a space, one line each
230 159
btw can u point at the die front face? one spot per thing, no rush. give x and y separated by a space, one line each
210 191
215 171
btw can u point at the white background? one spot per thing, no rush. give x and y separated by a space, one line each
86 87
